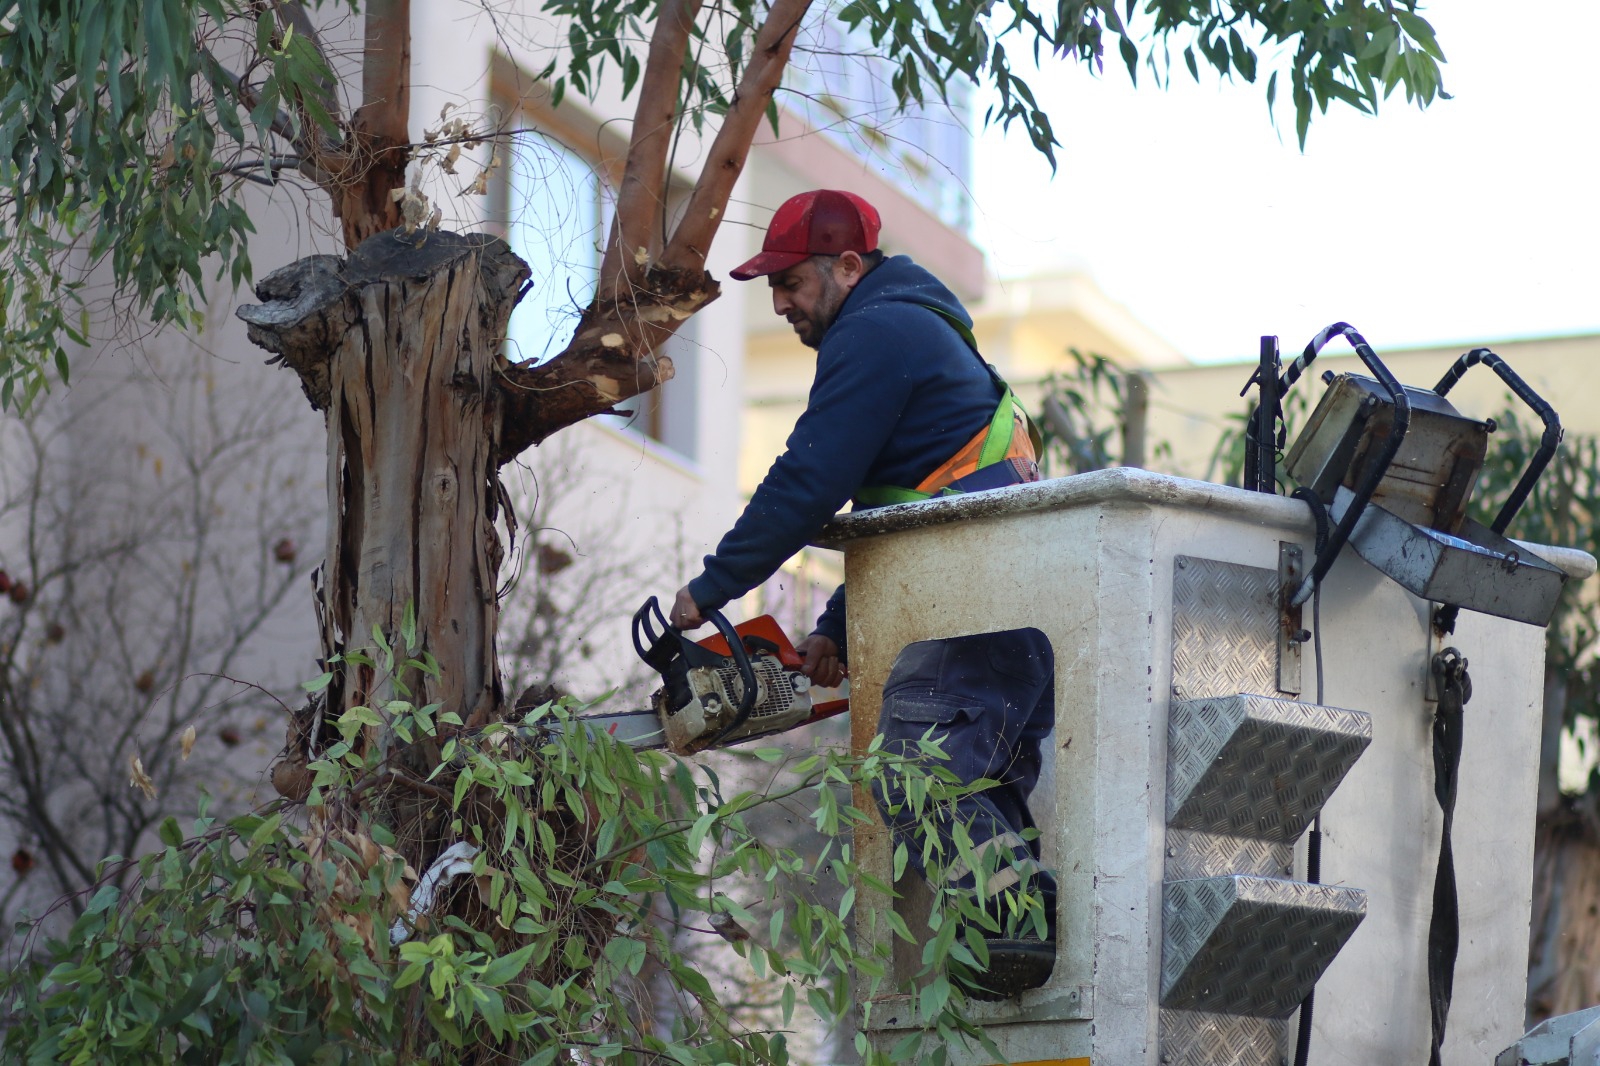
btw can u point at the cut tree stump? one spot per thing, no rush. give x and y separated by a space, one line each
400 347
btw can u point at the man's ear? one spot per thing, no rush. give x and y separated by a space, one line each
849 269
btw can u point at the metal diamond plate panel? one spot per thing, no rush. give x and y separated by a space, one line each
1250 945
1191 854
1224 628
1195 1038
1248 765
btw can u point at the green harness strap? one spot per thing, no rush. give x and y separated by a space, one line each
996 442
996 439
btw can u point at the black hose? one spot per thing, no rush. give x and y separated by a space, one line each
1319 515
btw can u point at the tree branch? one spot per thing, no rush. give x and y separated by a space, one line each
708 203
362 175
656 113
282 124
386 72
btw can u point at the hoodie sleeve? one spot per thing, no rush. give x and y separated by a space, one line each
831 623
862 385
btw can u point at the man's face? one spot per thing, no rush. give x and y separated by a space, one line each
809 295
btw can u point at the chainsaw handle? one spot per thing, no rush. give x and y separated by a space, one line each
1548 443
641 624
645 622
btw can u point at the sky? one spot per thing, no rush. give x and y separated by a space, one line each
1474 221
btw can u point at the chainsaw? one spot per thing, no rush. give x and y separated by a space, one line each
743 683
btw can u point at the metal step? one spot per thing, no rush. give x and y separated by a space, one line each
1250 945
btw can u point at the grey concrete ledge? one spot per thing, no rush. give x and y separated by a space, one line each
1116 487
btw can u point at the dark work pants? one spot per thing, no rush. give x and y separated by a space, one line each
990 699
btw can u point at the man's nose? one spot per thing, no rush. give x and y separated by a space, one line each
781 302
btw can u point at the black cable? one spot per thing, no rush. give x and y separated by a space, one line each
1444 927
1319 514
1316 655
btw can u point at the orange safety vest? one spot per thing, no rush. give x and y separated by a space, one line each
996 442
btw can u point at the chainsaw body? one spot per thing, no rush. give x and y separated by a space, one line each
743 683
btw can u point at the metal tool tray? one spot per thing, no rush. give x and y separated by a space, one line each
1476 568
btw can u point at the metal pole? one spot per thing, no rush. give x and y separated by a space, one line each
1266 464
1135 417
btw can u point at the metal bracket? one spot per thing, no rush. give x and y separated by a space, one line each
1436 644
1291 634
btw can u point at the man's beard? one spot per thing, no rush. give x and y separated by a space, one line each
811 328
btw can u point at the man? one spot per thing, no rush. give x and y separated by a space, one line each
901 398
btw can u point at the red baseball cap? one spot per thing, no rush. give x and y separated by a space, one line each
819 222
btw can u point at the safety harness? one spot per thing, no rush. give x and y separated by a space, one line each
1004 452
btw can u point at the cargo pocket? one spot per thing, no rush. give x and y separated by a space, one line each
926 708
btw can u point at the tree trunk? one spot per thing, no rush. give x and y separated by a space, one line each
400 348
1564 936
1563 971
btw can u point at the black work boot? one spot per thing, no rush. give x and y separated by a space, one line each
1018 960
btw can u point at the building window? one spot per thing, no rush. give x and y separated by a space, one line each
555 206
558 208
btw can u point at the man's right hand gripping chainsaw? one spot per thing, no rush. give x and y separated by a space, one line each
741 684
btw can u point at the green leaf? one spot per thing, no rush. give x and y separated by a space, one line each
408 625
1418 29
786 1001
697 834
502 970
267 829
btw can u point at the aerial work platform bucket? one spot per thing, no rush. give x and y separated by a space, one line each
1191 751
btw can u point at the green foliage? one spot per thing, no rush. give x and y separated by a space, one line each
286 935
1562 509
1080 413
1353 51
128 127
1356 52
1084 410
122 140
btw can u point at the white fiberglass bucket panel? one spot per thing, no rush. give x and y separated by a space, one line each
1089 560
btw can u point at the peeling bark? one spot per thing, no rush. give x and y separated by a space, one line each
363 204
400 348
361 167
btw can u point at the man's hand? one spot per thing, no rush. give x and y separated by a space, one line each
685 612
822 663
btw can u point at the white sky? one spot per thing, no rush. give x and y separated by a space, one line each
1475 221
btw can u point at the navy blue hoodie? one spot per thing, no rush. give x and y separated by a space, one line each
897 393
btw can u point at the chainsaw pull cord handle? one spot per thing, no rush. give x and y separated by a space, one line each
1548 443
1374 475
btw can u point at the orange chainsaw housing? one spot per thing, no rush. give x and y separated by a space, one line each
767 628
